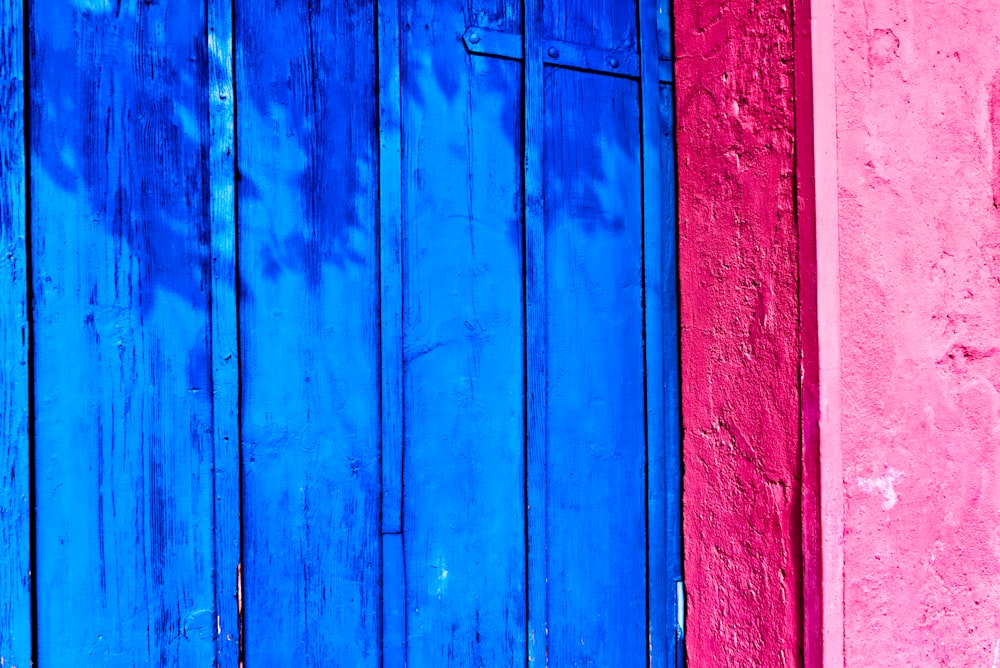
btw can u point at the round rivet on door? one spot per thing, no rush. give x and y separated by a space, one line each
474 38
553 52
613 62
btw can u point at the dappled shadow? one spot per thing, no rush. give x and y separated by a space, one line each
117 144
122 237
127 135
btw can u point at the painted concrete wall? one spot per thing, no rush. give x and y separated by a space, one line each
917 108
740 332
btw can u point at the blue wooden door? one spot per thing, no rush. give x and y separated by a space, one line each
537 453
339 333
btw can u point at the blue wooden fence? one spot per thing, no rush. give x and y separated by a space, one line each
338 333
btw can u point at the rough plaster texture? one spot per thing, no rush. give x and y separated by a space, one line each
918 169
740 332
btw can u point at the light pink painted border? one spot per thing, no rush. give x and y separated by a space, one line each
819 297
828 316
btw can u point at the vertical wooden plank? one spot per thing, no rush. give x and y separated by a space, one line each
121 275
225 332
15 511
595 367
463 520
664 32
675 603
390 265
660 346
393 601
659 595
536 358
307 119
596 533
393 611
670 316
595 410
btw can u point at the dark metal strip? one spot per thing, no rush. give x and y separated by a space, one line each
558 53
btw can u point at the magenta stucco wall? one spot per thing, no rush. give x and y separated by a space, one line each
740 332
917 106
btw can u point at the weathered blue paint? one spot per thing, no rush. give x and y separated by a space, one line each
351 344
121 275
393 601
15 512
596 529
463 517
668 597
390 265
660 292
535 337
307 120
391 328
225 332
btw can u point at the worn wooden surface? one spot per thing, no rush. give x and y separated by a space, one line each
225 332
596 529
349 345
535 339
308 257
393 618
463 517
15 512
660 294
122 344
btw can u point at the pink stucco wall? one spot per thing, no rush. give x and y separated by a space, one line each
917 112
877 285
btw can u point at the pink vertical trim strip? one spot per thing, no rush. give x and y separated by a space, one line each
809 388
828 316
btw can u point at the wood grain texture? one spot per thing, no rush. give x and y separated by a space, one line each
463 519
668 596
393 637
595 427
121 276
660 589
225 332
390 264
664 556
307 122
535 337
326 300
393 601
15 512
609 24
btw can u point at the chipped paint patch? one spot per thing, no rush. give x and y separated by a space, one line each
884 485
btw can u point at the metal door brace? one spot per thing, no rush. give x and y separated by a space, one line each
557 53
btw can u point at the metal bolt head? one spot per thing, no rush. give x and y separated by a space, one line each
553 52
613 62
474 38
